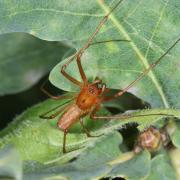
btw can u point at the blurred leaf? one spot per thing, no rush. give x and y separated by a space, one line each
161 168
10 164
134 169
175 156
24 59
175 135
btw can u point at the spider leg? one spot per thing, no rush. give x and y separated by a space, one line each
125 116
63 108
64 141
52 96
101 23
146 71
87 131
69 77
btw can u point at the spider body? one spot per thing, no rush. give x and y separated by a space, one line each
85 103
89 96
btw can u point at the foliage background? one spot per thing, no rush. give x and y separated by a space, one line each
36 36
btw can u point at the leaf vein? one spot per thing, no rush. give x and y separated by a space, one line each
156 28
54 11
141 56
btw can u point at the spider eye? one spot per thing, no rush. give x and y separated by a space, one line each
91 90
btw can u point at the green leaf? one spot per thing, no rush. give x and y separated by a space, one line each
53 20
97 161
117 63
104 150
151 25
40 145
28 132
10 164
161 169
134 169
92 163
24 59
175 156
175 134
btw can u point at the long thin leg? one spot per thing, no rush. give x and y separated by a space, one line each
64 141
127 116
86 130
78 60
111 40
52 116
146 71
52 96
81 71
81 51
124 116
63 107
88 43
99 27
70 78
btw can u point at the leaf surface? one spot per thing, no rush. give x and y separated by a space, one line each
151 26
161 168
25 59
10 164
175 135
100 160
134 169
